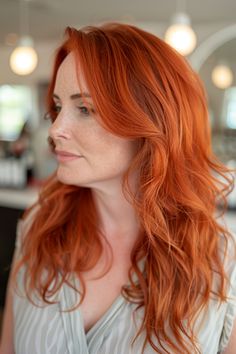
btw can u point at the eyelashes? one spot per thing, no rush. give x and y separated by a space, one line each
51 114
55 110
84 110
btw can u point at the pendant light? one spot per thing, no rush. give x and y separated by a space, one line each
180 34
24 59
222 76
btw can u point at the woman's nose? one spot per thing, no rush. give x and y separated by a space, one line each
59 128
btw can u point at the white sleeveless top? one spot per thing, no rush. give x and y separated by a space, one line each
48 330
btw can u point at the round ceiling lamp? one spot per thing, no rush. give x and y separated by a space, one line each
180 34
24 59
222 76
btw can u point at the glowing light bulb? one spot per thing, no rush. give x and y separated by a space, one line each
222 76
180 35
24 59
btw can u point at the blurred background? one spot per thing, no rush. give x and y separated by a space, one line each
204 31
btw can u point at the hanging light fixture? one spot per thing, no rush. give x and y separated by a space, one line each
222 76
180 34
24 59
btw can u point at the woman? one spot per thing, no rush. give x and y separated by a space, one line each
123 252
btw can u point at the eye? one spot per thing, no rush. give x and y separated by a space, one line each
84 110
87 110
52 113
56 109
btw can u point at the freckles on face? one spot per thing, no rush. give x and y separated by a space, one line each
105 156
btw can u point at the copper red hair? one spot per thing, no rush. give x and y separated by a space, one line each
142 89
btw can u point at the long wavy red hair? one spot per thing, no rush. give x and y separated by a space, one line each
141 89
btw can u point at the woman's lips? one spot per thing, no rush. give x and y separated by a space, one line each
63 156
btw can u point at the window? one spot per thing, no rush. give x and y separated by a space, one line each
15 109
229 107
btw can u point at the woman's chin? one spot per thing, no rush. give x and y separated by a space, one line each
64 177
67 178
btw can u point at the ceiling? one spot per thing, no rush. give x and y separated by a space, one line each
48 18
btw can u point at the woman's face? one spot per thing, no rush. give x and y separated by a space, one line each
87 154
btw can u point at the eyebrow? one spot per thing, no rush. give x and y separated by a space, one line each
75 96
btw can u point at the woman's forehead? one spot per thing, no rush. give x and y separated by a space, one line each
70 76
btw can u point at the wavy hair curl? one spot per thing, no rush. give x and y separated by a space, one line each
142 89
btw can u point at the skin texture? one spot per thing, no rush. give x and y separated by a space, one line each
105 157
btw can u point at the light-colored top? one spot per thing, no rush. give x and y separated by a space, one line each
48 330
